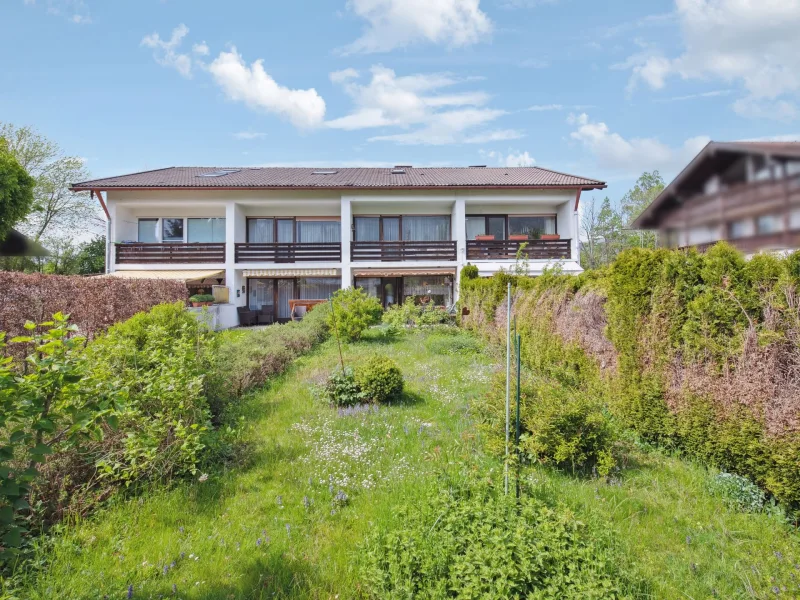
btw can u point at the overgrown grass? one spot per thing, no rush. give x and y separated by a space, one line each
291 521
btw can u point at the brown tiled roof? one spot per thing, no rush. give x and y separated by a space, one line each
304 178
705 159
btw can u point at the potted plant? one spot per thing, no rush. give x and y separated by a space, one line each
201 300
484 238
551 236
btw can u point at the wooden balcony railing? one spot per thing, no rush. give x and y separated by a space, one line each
401 251
289 252
507 249
140 252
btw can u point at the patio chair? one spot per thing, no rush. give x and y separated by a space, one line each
299 312
266 316
246 316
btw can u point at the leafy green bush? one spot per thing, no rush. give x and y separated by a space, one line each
469 272
409 313
379 379
202 298
737 492
54 405
341 389
161 358
472 544
353 312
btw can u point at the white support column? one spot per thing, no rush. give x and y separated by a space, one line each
346 216
576 255
459 228
235 231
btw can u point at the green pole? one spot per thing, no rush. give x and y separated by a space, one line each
516 437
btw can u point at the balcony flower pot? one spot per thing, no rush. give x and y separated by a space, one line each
518 238
201 300
484 238
550 236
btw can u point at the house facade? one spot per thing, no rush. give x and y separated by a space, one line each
273 235
747 193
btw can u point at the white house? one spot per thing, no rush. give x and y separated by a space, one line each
272 235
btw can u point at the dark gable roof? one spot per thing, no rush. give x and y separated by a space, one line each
713 156
351 178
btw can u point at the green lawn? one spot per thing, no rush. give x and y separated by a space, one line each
288 524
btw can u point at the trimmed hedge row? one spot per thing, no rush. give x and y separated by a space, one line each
699 352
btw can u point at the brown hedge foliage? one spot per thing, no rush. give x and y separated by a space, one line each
93 303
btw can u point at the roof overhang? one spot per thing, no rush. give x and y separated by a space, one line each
275 273
284 188
176 275
401 272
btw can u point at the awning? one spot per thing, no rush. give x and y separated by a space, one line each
401 272
186 275
292 272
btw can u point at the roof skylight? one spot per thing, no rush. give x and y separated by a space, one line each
398 171
324 172
219 173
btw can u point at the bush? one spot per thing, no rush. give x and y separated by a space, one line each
469 272
473 544
737 492
379 379
202 298
353 312
341 389
409 313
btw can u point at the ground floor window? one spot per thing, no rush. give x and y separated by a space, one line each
273 295
424 289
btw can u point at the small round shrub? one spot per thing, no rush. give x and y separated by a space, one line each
353 311
469 272
341 389
738 492
379 379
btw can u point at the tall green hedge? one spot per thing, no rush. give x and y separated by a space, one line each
714 314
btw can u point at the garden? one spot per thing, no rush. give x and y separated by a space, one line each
359 454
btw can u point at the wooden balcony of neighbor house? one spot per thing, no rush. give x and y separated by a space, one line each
285 252
193 252
541 249
403 251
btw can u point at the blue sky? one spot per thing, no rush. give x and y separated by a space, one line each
601 89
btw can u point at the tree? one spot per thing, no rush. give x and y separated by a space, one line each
16 191
647 187
590 238
92 256
56 210
609 227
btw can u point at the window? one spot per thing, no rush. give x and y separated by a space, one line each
739 229
701 234
533 227
318 232
261 231
371 285
769 224
206 230
171 230
794 220
148 231
436 289
425 229
475 226
317 288
368 229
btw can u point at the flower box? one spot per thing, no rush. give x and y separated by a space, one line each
484 238
550 236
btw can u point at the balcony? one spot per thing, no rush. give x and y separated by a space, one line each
402 251
508 249
195 252
284 252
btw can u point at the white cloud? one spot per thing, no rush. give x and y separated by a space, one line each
423 101
512 159
201 49
74 11
634 155
165 52
258 90
399 23
545 107
249 135
754 44
711 94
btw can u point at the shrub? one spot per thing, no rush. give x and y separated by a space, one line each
379 379
737 492
54 406
202 298
469 272
409 313
353 312
473 544
341 389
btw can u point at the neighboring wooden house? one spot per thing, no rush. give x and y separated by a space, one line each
747 193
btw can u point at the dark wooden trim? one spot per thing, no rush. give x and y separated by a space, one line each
508 216
507 249
288 253
402 251
170 252
102 203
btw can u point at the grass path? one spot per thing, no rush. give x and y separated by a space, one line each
287 524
